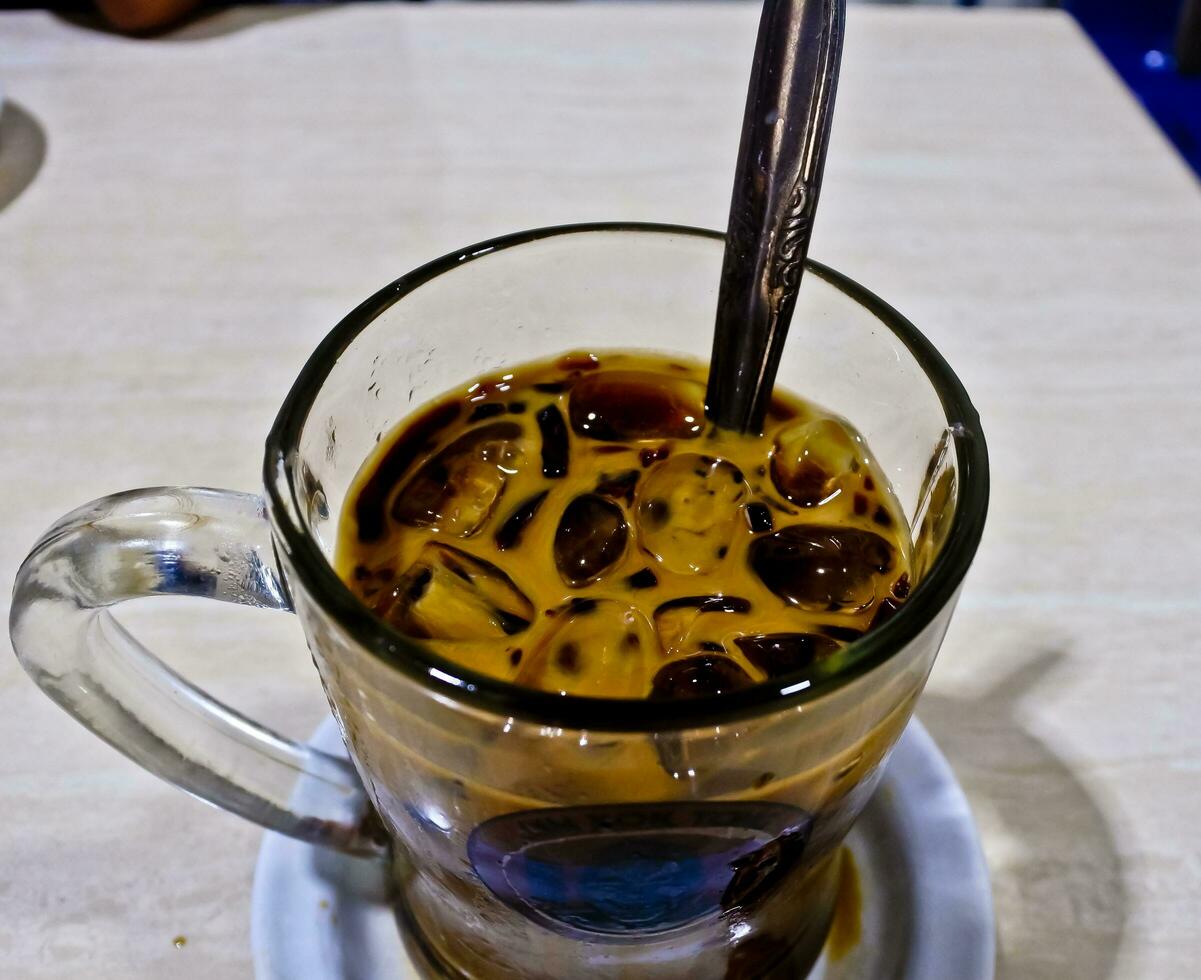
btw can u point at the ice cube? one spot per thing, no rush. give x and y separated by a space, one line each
819 567
632 405
456 490
596 647
811 462
449 595
591 537
691 624
688 511
777 654
700 676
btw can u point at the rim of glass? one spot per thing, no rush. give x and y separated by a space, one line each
502 698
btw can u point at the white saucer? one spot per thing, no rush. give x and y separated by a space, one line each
927 908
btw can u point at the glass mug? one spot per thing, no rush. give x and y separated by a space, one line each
532 835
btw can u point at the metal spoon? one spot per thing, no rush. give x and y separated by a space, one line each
785 132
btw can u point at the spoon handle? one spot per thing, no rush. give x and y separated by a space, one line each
785 131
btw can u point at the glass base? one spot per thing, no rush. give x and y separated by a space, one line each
763 956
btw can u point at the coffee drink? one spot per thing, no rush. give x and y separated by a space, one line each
577 526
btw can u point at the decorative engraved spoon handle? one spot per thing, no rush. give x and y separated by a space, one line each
785 132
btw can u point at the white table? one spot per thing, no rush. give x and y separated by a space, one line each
212 202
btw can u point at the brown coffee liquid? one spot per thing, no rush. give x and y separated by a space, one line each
577 525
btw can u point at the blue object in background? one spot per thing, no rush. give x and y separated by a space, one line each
1139 38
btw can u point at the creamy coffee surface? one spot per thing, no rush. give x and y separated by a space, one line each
576 525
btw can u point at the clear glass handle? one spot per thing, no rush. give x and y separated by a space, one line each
167 541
